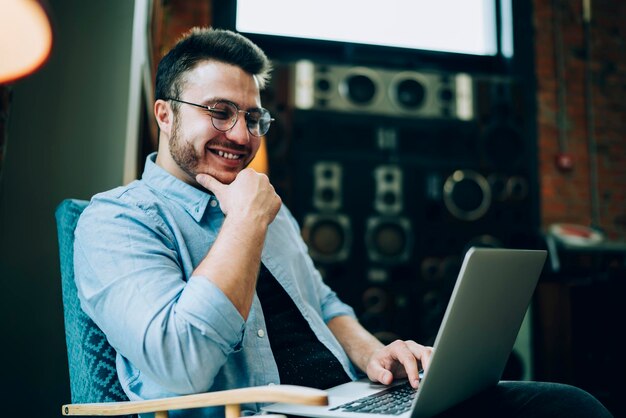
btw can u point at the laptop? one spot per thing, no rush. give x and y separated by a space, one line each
479 328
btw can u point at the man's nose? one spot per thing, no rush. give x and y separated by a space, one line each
239 133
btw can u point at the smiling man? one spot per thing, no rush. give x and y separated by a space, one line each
197 273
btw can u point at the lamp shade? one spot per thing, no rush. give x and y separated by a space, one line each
25 38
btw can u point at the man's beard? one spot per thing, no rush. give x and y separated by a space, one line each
183 153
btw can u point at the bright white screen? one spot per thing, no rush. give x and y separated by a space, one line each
462 26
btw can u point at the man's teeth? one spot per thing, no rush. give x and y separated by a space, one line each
228 155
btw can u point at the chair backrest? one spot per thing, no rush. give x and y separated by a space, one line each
93 377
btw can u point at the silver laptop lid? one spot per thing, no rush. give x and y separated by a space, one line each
479 328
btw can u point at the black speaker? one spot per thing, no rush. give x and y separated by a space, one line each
325 228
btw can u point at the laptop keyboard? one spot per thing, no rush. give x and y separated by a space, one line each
392 401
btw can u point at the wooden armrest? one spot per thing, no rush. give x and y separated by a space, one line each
231 398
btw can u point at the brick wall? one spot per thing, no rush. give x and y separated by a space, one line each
567 195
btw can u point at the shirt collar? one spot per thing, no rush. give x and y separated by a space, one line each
193 200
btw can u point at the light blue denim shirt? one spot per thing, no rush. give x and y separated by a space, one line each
135 250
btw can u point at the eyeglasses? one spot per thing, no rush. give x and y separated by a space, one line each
224 115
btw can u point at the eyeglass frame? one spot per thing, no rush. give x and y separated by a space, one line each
212 109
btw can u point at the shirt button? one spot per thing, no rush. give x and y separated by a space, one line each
213 203
271 384
260 333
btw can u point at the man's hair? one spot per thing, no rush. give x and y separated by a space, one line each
202 44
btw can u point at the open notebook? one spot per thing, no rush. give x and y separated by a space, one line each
479 328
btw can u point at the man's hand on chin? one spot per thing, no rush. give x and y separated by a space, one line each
250 196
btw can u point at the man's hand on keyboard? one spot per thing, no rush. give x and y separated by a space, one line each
399 359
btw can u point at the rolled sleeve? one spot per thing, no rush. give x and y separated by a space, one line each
333 307
226 325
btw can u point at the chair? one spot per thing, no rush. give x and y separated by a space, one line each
94 386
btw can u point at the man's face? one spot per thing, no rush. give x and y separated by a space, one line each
195 146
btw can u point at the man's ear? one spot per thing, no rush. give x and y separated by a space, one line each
164 116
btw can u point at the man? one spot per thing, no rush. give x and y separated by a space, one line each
197 273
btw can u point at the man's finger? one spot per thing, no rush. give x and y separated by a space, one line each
378 373
210 182
405 356
423 353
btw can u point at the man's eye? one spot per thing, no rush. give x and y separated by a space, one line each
253 117
220 114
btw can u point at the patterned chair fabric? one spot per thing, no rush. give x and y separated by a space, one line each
93 377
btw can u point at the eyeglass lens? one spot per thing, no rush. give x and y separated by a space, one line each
224 116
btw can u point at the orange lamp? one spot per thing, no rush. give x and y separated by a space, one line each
260 162
25 38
